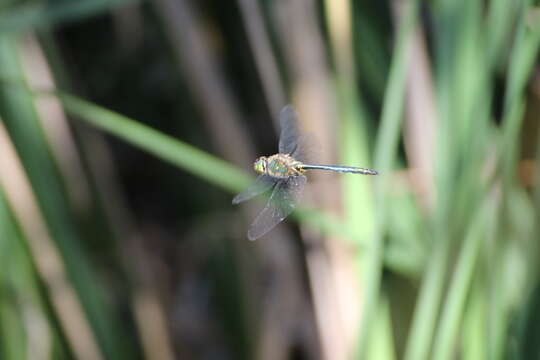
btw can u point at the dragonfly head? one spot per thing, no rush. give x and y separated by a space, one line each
260 165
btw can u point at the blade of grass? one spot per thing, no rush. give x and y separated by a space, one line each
44 254
149 313
474 335
27 326
382 346
500 18
13 338
447 335
471 104
21 121
523 57
525 49
180 154
13 343
353 134
352 144
385 156
357 198
461 85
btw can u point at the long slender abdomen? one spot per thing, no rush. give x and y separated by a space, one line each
342 169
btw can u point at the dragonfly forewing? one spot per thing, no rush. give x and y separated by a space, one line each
281 203
262 184
289 130
306 149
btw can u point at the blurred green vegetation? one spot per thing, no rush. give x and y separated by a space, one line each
127 126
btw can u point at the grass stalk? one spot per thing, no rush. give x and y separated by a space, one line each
447 335
385 157
22 123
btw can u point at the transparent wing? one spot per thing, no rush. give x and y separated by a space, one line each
306 149
262 184
281 203
289 130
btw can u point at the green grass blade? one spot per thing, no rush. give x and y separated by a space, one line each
500 17
474 334
208 167
387 141
357 190
385 157
13 339
381 348
524 53
462 107
353 149
447 334
523 57
20 118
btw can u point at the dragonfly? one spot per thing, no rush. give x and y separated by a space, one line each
284 174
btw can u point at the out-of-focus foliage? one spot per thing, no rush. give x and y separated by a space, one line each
126 126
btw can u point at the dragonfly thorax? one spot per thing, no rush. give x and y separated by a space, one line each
278 166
